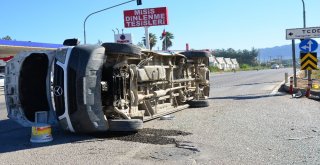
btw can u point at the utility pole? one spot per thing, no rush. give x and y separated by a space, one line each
85 20
270 60
146 34
304 15
306 72
294 63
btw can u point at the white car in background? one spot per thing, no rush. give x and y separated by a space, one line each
1 80
275 66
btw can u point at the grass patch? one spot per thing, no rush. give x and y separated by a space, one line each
245 67
214 69
316 74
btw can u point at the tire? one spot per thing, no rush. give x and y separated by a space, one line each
125 49
198 103
84 89
192 54
125 125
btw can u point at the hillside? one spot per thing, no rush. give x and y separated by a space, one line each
278 52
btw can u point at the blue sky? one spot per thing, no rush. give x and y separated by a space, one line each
204 24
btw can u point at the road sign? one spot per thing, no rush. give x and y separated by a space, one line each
303 33
146 17
308 61
123 38
308 45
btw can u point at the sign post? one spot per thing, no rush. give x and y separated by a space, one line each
308 61
123 38
307 45
294 63
303 33
146 33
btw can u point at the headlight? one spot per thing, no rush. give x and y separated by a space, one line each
61 54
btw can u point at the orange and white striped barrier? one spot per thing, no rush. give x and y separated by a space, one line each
291 86
308 88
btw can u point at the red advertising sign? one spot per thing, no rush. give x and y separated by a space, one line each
146 17
5 59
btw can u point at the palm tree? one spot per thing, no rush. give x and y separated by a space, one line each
6 38
140 44
167 40
152 40
99 42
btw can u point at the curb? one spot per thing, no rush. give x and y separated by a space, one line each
286 87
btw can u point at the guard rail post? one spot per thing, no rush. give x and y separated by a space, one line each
285 78
309 87
291 86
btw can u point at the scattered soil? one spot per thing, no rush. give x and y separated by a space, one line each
302 82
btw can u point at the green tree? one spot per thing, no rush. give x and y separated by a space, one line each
166 40
140 44
6 38
245 56
152 40
254 56
99 42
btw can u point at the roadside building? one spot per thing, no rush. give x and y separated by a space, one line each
229 64
2 66
9 48
221 63
213 61
235 63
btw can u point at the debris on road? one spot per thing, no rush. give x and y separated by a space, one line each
301 138
186 145
167 117
299 94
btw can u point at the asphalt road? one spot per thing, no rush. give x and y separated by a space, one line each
246 123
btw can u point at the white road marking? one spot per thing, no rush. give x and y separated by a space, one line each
275 90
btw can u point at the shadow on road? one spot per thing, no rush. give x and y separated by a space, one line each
249 84
245 97
14 137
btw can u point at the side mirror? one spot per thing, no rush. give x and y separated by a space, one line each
71 42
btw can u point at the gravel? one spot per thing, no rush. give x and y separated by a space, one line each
244 124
